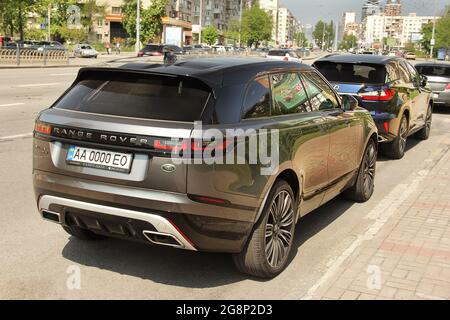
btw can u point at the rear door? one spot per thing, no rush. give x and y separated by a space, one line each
422 101
412 94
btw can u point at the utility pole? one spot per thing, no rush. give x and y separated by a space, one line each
138 26
336 38
49 22
433 34
200 23
323 36
241 4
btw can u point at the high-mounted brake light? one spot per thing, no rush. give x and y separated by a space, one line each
382 95
43 128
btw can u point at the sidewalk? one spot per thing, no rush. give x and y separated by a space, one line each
405 253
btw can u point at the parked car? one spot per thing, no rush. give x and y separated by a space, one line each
156 50
4 40
410 56
49 45
391 89
84 50
438 75
219 48
108 170
286 55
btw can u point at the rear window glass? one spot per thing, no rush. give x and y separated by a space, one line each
437 71
138 96
277 53
153 48
352 73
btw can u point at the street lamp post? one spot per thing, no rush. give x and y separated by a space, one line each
433 33
200 23
138 26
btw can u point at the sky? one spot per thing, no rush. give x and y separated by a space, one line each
311 11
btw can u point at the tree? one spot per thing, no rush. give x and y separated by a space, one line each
324 34
256 26
442 35
14 13
348 42
301 40
234 31
209 35
151 19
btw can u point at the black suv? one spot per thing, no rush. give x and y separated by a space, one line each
395 94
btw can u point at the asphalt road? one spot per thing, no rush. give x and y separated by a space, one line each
37 257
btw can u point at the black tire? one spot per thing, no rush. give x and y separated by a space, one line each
396 149
424 133
364 185
81 234
267 251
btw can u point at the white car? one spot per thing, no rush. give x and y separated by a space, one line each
286 55
85 51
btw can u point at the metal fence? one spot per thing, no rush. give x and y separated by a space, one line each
24 56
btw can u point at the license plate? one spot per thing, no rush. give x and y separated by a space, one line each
99 159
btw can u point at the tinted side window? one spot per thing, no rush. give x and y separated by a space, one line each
289 95
257 99
322 97
414 74
404 73
392 72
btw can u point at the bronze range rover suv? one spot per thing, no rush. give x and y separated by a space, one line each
104 155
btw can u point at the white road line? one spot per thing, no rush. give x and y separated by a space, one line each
12 104
62 74
17 136
38 85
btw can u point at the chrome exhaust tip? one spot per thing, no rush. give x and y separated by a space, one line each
51 216
163 239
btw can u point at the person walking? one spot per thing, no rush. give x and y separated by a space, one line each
118 48
108 48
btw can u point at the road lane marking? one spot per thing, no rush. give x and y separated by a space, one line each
63 74
38 85
17 136
12 104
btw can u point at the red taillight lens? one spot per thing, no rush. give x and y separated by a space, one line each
169 145
382 95
203 145
447 88
286 58
386 126
43 128
208 200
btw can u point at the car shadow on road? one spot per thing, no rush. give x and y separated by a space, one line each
185 268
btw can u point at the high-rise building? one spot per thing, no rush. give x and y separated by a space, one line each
370 8
348 19
287 27
271 6
393 8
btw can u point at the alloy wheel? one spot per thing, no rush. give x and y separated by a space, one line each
278 235
403 135
370 162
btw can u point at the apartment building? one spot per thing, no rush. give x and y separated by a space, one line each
393 8
399 28
370 8
347 24
287 25
272 6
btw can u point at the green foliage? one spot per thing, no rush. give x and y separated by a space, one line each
301 40
442 35
349 41
14 14
324 34
151 19
234 30
256 26
89 11
209 35
66 34
35 34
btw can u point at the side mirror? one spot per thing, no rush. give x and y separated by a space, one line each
349 102
423 81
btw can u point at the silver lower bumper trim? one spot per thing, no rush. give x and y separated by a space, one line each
161 224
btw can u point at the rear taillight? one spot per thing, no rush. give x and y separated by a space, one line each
381 95
140 54
170 145
157 53
447 88
43 128
286 58
386 126
182 145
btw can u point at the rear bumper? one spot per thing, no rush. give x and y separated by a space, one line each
125 212
441 98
